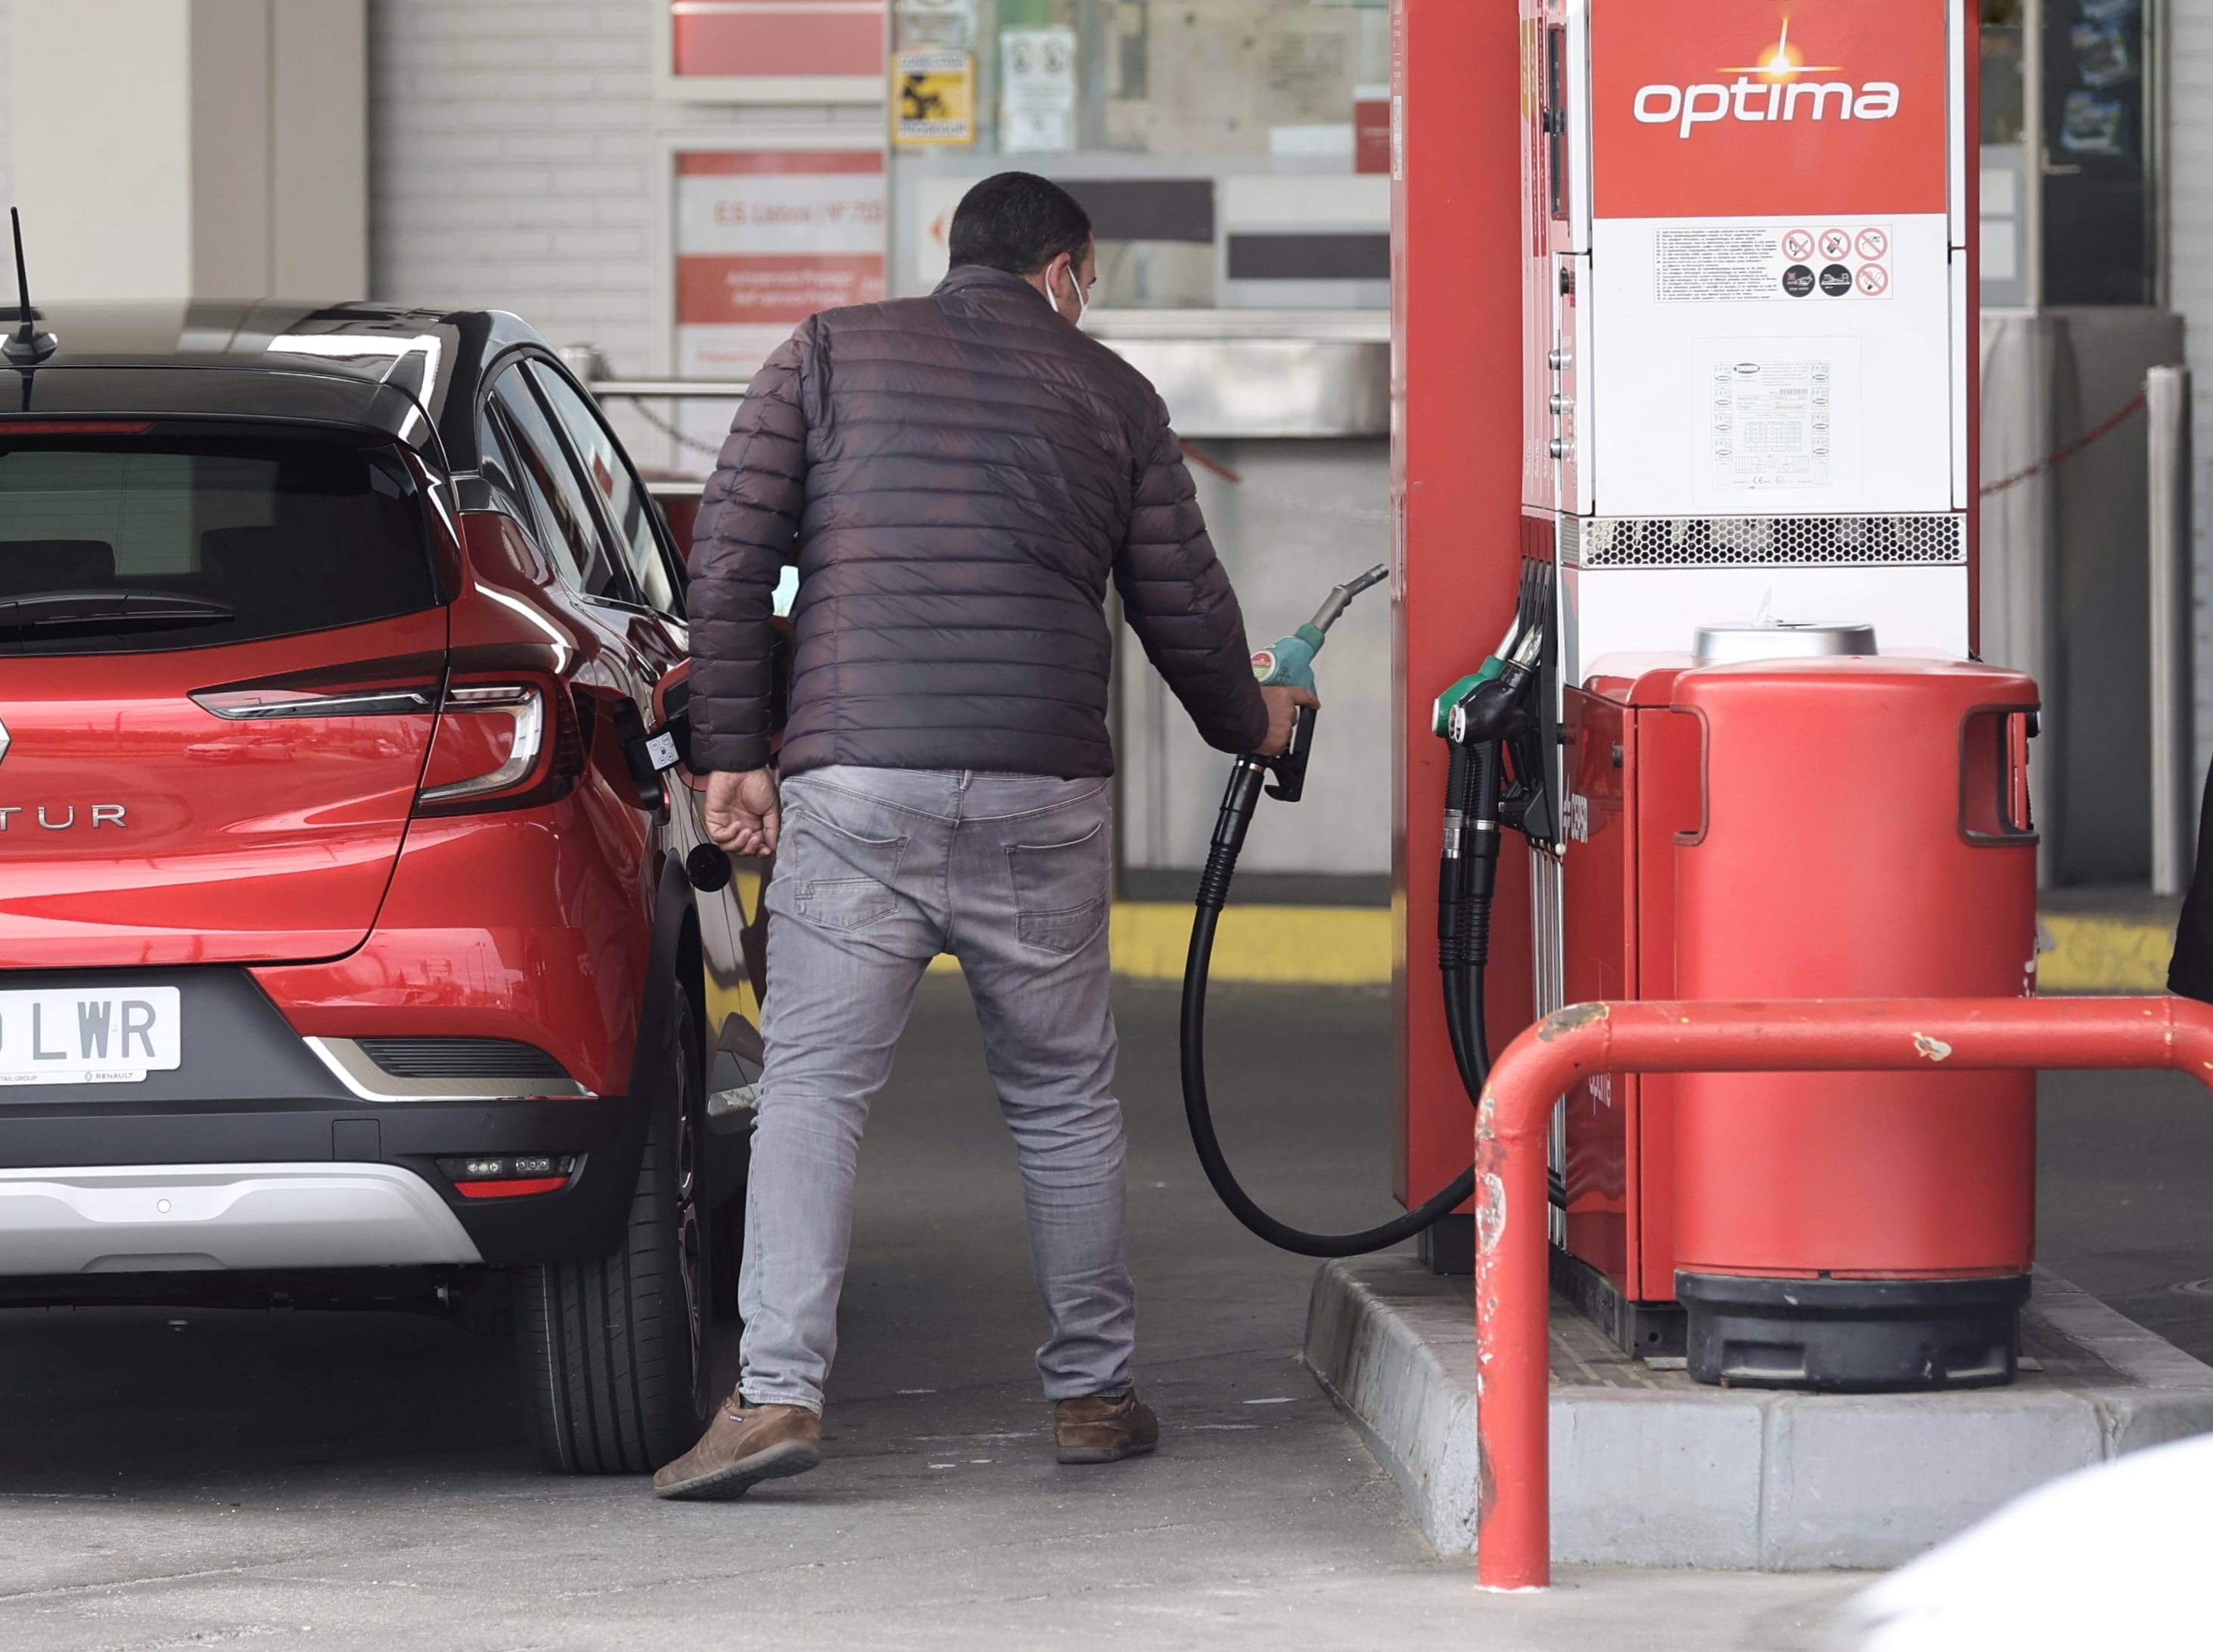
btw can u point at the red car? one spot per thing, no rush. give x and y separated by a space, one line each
359 941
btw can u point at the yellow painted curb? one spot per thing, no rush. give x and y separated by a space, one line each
1319 945
1312 946
2103 954
1350 946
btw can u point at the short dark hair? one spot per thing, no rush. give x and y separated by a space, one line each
1017 221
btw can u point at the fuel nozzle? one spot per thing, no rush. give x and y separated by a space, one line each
1472 711
1483 716
1289 661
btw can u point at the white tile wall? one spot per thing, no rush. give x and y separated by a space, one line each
2189 279
7 119
516 160
512 164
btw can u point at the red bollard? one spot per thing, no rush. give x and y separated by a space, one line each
1512 1382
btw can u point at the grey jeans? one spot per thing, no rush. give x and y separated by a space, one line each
878 871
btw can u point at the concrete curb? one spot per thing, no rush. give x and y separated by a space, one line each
1351 945
1649 1469
1287 946
2081 953
1393 1360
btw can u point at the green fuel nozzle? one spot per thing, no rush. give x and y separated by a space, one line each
1288 662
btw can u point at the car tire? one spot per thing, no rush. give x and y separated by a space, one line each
616 1354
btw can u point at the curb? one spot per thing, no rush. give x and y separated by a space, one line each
1285 945
1352 946
2085 954
1649 1469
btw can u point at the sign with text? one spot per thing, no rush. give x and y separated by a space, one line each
765 238
932 97
1735 108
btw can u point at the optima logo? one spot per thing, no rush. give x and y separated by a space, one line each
1770 90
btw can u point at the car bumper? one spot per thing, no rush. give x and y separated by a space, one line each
254 1098
207 1217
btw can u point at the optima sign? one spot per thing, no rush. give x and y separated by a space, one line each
1660 105
1750 108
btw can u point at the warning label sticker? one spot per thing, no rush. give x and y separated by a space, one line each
1769 424
933 96
1712 264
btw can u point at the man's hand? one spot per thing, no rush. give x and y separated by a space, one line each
1283 703
742 814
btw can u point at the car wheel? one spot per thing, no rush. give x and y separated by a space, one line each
617 1355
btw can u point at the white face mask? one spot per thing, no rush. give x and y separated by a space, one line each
1082 300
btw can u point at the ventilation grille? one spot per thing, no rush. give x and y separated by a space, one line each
460 1058
1768 541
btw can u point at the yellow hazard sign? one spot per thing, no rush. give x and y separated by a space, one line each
933 96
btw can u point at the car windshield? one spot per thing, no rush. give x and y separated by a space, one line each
127 543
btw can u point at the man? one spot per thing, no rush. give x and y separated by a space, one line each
958 477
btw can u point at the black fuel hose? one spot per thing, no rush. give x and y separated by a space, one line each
1473 777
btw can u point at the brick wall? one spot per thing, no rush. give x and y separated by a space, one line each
517 153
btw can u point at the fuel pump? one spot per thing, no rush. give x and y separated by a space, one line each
1499 777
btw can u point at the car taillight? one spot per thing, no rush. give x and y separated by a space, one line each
489 737
509 1176
404 686
499 746
265 705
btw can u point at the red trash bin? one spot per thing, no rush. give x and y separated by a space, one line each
1866 834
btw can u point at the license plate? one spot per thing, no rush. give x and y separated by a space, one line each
84 1035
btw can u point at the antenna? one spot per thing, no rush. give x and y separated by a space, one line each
28 346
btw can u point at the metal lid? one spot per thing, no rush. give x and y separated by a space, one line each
1734 644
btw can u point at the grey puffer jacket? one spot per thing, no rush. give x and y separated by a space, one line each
958 477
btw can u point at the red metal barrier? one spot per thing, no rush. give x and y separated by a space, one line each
1513 1508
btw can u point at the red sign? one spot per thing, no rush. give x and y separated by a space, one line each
773 38
1747 108
763 239
1371 134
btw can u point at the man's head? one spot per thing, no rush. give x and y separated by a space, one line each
1030 227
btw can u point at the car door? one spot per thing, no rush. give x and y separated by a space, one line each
655 576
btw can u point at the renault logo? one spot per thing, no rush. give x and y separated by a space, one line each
3 740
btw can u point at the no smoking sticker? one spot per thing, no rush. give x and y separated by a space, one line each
1728 264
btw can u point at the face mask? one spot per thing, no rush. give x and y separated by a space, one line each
1082 300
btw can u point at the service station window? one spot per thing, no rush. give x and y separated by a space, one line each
1232 153
2068 163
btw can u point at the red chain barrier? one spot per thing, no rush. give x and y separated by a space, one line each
2054 461
1205 460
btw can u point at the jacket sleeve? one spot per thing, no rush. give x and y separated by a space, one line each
748 529
1177 599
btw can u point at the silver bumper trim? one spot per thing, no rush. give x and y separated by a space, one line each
181 1218
351 1066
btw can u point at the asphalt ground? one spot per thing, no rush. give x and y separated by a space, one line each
318 1479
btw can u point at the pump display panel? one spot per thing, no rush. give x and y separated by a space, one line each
1747 327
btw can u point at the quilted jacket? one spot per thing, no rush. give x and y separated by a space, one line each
958 478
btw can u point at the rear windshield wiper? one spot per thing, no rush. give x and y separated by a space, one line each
67 614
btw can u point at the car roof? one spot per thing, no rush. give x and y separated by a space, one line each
411 373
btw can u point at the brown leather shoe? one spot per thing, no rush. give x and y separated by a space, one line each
742 1447
1104 1428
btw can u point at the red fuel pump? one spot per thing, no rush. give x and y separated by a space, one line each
1746 432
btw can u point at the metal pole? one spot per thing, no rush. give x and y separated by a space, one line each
2174 757
1513 1387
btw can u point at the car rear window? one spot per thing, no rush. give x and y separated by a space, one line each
127 543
